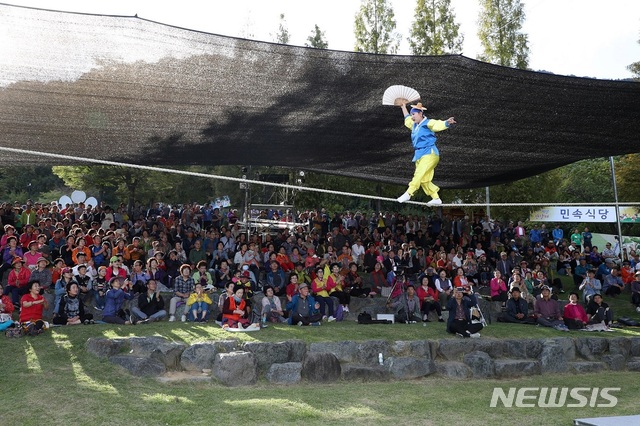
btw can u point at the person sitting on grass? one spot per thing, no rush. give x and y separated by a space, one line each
61 286
574 315
198 304
71 309
354 281
598 311
338 288
32 305
150 304
183 286
271 307
6 313
17 280
114 299
460 321
517 309
428 296
407 306
235 313
321 292
303 308
547 311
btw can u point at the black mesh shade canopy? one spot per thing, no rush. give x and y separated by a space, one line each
127 89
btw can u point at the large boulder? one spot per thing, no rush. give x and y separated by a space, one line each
345 351
235 368
227 345
373 306
480 363
159 348
555 355
415 348
368 352
620 346
455 349
494 347
522 348
365 373
591 348
321 367
297 349
199 356
509 368
285 373
567 344
633 364
581 367
139 365
635 346
268 353
615 362
453 369
104 348
405 368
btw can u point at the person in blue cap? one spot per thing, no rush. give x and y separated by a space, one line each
426 155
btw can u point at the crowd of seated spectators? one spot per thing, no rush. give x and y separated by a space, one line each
193 251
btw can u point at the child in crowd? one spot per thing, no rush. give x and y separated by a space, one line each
100 287
198 304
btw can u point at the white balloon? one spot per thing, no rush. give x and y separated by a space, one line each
64 200
78 196
91 201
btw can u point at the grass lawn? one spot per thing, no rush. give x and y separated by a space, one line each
51 379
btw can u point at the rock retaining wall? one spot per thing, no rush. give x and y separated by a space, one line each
234 363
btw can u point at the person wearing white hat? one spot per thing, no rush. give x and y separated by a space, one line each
426 154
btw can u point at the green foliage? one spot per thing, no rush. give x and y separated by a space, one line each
282 36
585 181
339 203
375 26
316 39
19 182
499 32
434 31
635 68
122 183
628 177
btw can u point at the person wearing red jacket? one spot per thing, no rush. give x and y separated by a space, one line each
574 314
428 297
17 281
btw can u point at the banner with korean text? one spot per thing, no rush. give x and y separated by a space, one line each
575 214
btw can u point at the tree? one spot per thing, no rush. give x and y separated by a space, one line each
375 26
499 32
282 36
316 39
434 31
635 68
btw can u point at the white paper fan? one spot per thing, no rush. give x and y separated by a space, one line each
399 92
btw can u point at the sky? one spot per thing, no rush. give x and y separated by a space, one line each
586 38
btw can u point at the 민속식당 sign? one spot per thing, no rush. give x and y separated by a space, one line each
575 214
